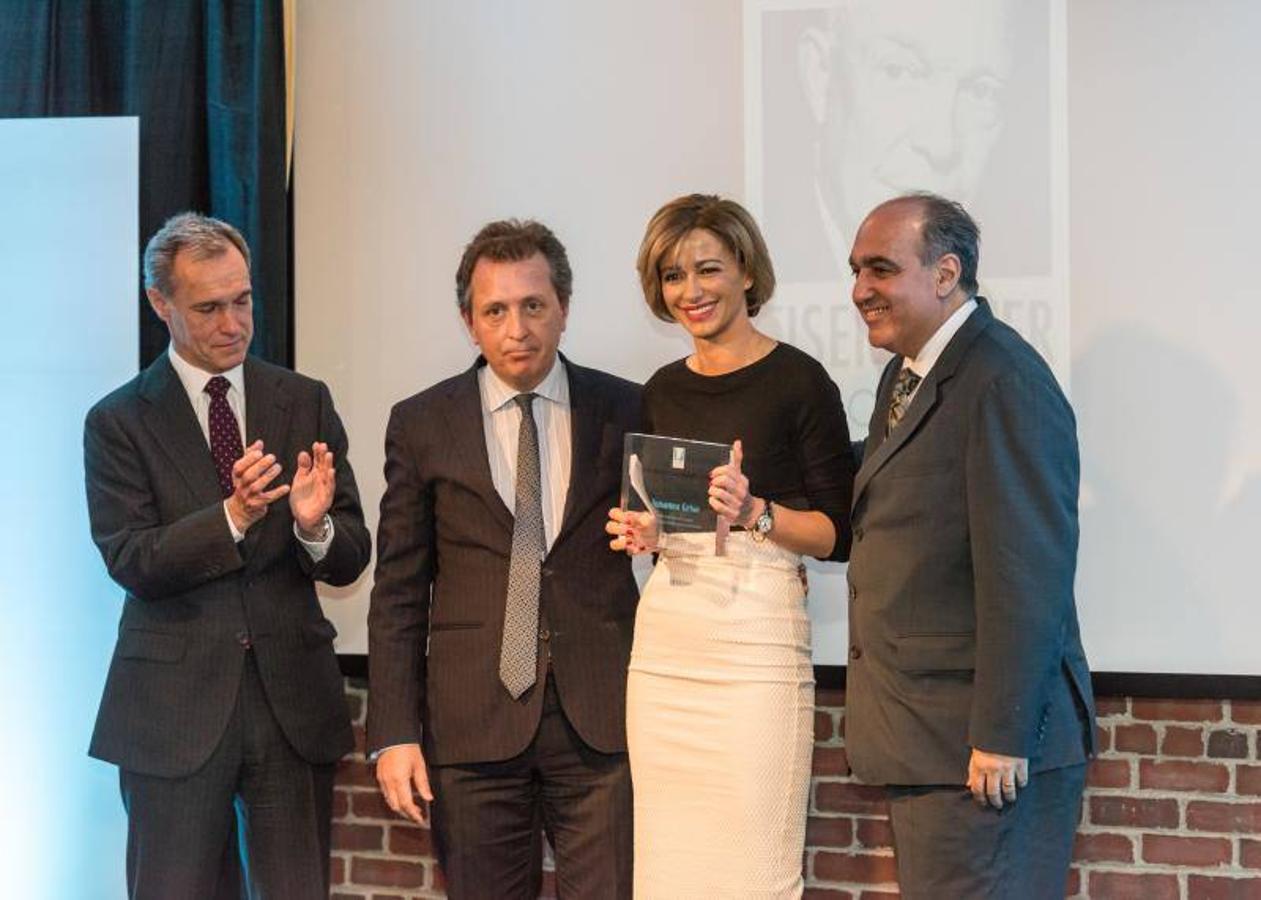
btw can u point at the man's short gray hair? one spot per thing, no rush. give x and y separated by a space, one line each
202 236
946 227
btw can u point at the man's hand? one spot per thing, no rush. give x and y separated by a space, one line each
314 482
400 770
251 474
993 778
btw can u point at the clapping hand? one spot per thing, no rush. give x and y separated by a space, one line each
251 474
314 482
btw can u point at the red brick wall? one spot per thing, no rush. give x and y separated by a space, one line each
1172 810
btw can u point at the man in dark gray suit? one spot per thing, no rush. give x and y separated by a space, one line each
966 665
500 625
224 699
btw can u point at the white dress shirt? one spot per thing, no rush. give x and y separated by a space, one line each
194 381
924 361
501 421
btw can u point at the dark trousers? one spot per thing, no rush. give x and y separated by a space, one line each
178 829
950 847
488 818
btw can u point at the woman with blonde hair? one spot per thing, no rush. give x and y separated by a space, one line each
720 695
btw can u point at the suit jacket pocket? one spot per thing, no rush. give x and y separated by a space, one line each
156 646
453 626
937 652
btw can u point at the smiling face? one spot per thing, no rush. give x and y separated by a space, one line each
516 319
210 310
703 285
902 300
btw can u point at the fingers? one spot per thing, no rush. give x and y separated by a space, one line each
253 453
420 779
1007 784
323 457
737 454
397 767
986 789
616 527
304 463
634 532
993 787
728 492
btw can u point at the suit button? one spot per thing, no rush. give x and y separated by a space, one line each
544 634
853 592
855 651
243 638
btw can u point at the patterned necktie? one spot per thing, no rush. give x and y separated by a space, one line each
518 654
225 434
903 388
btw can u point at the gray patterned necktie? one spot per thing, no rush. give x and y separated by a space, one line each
518 653
903 388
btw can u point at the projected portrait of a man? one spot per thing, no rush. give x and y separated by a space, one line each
867 99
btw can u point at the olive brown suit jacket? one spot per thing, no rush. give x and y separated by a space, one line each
962 620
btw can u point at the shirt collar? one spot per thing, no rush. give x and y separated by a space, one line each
195 379
496 393
923 363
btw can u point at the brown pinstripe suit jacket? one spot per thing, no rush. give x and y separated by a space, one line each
445 538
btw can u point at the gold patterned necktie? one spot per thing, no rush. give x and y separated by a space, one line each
903 388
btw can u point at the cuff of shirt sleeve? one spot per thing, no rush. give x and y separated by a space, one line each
317 549
236 535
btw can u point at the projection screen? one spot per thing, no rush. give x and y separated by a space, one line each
1111 186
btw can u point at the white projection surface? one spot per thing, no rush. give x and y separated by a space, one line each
68 238
1109 158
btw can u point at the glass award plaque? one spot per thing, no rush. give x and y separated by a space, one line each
670 477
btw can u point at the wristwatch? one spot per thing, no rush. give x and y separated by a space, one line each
763 524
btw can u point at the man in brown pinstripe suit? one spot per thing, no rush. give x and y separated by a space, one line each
500 626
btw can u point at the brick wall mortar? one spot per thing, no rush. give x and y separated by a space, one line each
1155 817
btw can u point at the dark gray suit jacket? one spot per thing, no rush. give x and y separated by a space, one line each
963 626
193 593
444 541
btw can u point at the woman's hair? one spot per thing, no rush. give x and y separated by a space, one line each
727 220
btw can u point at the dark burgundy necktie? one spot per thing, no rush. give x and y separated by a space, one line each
225 435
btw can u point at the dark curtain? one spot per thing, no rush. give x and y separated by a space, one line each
206 78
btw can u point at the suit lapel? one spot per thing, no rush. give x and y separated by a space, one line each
585 416
468 441
267 419
170 419
267 413
925 398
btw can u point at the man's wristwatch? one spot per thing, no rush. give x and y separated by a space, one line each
763 524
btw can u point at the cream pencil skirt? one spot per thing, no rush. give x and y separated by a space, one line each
719 708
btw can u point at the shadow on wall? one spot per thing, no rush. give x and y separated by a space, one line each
1163 541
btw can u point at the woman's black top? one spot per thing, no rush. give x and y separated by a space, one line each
787 412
